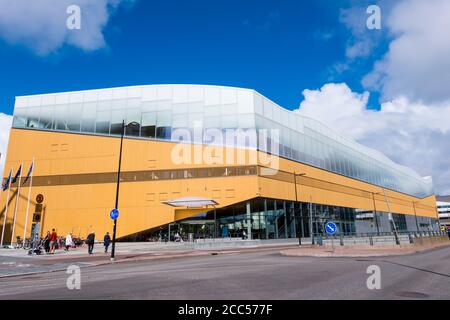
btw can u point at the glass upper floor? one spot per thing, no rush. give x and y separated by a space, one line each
157 111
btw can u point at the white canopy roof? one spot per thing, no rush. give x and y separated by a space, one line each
191 202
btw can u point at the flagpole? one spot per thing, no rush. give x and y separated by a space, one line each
7 205
28 202
17 204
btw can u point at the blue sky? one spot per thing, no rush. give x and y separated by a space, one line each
386 89
278 48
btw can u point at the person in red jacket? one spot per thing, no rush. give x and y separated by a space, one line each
53 239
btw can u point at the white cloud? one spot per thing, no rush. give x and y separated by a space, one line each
41 24
416 135
362 41
5 126
417 64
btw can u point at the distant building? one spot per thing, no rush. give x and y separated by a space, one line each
443 206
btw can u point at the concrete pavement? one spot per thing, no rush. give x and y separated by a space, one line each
256 275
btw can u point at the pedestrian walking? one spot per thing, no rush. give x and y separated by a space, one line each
69 241
90 242
47 242
53 239
106 241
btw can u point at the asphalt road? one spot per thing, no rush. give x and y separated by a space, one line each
255 276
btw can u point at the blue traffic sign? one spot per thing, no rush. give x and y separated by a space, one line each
331 228
114 214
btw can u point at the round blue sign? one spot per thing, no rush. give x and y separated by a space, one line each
331 228
114 214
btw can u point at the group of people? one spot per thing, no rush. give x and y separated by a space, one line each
52 242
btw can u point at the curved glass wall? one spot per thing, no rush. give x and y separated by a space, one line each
157 111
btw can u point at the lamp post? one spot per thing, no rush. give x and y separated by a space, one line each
375 213
296 200
415 215
391 218
122 133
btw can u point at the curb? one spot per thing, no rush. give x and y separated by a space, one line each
330 254
207 252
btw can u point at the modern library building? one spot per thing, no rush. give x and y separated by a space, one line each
203 160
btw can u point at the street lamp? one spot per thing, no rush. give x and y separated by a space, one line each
391 218
296 200
122 133
415 215
375 213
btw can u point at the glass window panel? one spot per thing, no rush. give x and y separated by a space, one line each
246 121
46 118
195 118
164 119
180 121
74 120
33 117
61 117
180 108
103 122
212 111
133 122
163 133
213 122
119 104
117 116
20 117
88 117
229 122
19 121
104 105
268 109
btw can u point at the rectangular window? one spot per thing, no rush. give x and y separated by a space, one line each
103 122
148 129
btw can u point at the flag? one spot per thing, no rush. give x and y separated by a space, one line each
17 174
5 186
29 173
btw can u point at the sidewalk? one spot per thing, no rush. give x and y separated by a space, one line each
358 251
15 262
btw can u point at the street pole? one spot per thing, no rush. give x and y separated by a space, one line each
28 203
113 248
311 220
17 204
215 223
6 209
391 219
296 201
375 214
415 215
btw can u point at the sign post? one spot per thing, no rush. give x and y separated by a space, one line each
114 214
331 229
